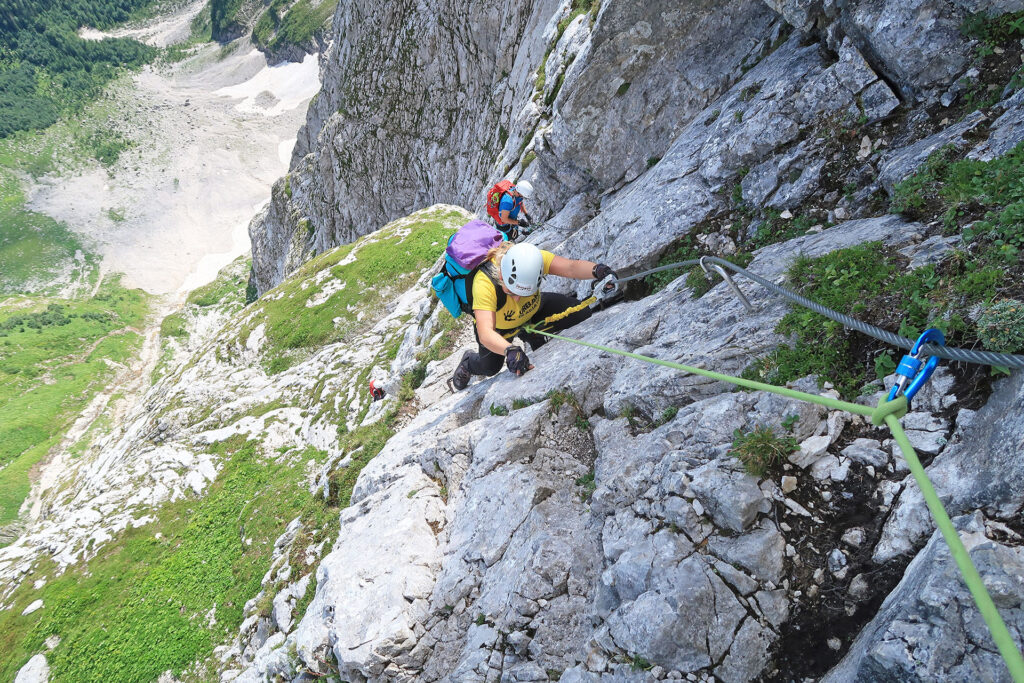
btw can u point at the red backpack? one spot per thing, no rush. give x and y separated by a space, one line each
494 199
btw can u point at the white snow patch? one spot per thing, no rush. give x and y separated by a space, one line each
288 84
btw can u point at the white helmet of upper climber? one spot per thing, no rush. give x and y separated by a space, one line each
521 269
525 188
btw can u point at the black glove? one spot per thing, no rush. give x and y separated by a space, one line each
516 360
601 271
524 222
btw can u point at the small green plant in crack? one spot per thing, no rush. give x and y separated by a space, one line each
667 416
630 413
560 398
481 619
991 32
790 422
588 486
498 410
761 449
638 663
884 365
748 93
518 403
1001 326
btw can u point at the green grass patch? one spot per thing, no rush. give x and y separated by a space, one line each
969 295
985 199
367 271
776 229
364 444
687 248
139 607
761 449
53 360
228 287
281 25
106 145
174 325
587 486
870 282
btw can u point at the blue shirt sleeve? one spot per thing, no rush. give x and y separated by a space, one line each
511 204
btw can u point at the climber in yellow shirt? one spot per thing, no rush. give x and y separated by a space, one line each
507 296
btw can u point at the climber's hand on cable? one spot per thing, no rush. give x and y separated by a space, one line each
601 271
516 360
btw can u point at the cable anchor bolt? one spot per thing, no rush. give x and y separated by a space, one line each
728 279
910 375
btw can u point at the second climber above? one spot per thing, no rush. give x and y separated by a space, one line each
507 296
513 218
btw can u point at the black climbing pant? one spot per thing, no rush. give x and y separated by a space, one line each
487 362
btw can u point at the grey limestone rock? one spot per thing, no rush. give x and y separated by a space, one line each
733 499
928 628
36 670
932 250
867 452
995 436
903 162
761 551
917 45
657 623
1006 132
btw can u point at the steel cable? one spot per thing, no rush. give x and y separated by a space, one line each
1007 360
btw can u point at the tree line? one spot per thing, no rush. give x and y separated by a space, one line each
46 70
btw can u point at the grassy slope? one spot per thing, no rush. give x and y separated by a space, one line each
139 607
384 264
281 25
53 359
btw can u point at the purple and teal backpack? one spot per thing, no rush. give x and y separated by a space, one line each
466 252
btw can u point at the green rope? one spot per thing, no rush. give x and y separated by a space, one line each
889 412
1000 634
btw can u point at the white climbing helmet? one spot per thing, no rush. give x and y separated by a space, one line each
521 269
525 188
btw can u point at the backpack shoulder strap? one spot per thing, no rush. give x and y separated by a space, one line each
490 271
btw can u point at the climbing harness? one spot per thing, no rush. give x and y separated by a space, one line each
888 412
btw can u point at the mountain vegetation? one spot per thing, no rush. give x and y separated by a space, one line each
47 70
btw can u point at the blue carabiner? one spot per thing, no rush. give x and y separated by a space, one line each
909 375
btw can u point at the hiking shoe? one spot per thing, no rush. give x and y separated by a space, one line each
460 378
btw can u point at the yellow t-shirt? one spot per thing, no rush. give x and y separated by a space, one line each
512 315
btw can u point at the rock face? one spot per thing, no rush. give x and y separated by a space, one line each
998 430
413 111
474 548
917 45
922 631
588 521
438 113
36 671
